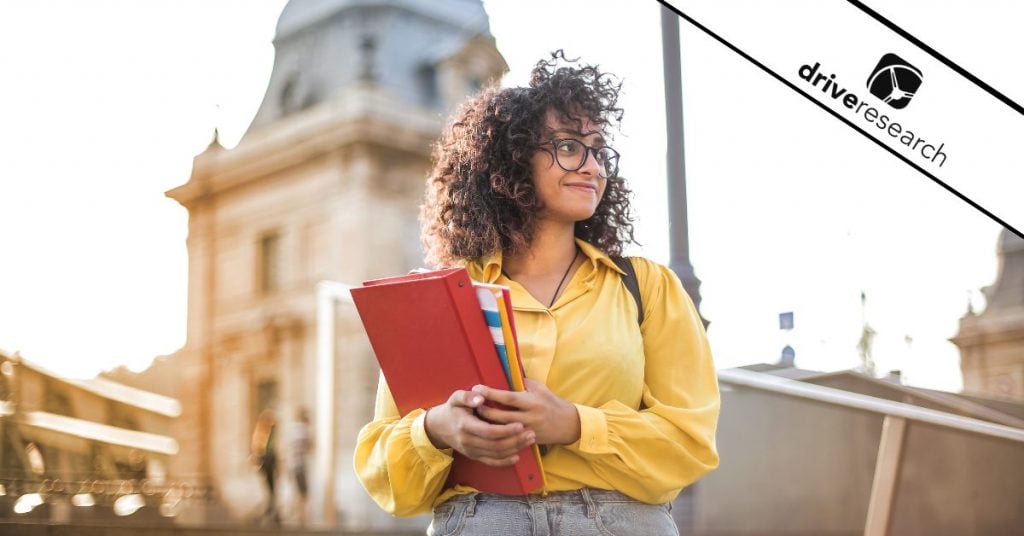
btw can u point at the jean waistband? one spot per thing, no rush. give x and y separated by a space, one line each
580 496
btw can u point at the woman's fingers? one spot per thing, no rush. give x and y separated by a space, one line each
513 399
476 448
497 436
496 441
500 416
466 399
535 386
475 427
554 419
513 443
445 423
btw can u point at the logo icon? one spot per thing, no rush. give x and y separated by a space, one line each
894 81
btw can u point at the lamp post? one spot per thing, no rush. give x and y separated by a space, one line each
677 211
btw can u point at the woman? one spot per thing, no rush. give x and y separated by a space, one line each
263 448
525 193
301 446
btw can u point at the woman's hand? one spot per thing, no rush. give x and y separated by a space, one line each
454 424
552 418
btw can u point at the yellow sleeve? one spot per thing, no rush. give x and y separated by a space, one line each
396 462
653 453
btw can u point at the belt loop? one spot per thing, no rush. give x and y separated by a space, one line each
588 502
471 509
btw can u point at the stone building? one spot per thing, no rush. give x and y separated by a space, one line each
324 185
76 450
992 343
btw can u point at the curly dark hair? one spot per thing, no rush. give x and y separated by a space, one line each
480 195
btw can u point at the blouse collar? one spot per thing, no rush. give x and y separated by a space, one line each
488 269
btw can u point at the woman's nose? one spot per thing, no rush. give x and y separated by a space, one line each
590 165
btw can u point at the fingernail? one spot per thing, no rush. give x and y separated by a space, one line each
478 388
477 400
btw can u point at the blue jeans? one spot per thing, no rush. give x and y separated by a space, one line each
565 513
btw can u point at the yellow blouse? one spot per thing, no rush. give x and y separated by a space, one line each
648 404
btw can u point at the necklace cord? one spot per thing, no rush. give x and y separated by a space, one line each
560 283
566 274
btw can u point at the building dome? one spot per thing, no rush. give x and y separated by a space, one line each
1008 290
299 15
325 47
1010 242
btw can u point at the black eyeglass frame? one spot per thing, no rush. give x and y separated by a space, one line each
615 156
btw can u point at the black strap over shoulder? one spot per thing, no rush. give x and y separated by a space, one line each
632 285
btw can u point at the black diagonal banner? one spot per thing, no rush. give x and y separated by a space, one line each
889 86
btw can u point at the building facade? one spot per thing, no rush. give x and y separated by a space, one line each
325 185
992 343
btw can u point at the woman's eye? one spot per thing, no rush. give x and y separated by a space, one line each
568 148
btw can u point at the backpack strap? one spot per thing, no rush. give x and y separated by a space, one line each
632 284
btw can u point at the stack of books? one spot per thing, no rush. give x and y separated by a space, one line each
434 333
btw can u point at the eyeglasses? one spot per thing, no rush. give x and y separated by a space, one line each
572 154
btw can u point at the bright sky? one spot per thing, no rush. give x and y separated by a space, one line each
106 102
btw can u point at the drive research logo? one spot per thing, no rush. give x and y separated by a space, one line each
891 79
894 81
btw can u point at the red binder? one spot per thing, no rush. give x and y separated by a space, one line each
430 338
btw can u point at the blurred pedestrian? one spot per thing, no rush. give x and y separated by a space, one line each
264 454
300 445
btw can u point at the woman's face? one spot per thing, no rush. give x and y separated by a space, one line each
567 196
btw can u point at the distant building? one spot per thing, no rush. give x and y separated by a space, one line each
325 185
992 343
71 449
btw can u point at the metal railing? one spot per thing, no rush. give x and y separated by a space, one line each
839 397
897 415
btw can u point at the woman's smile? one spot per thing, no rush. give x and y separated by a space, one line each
585 187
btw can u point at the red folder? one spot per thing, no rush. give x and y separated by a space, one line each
430 338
